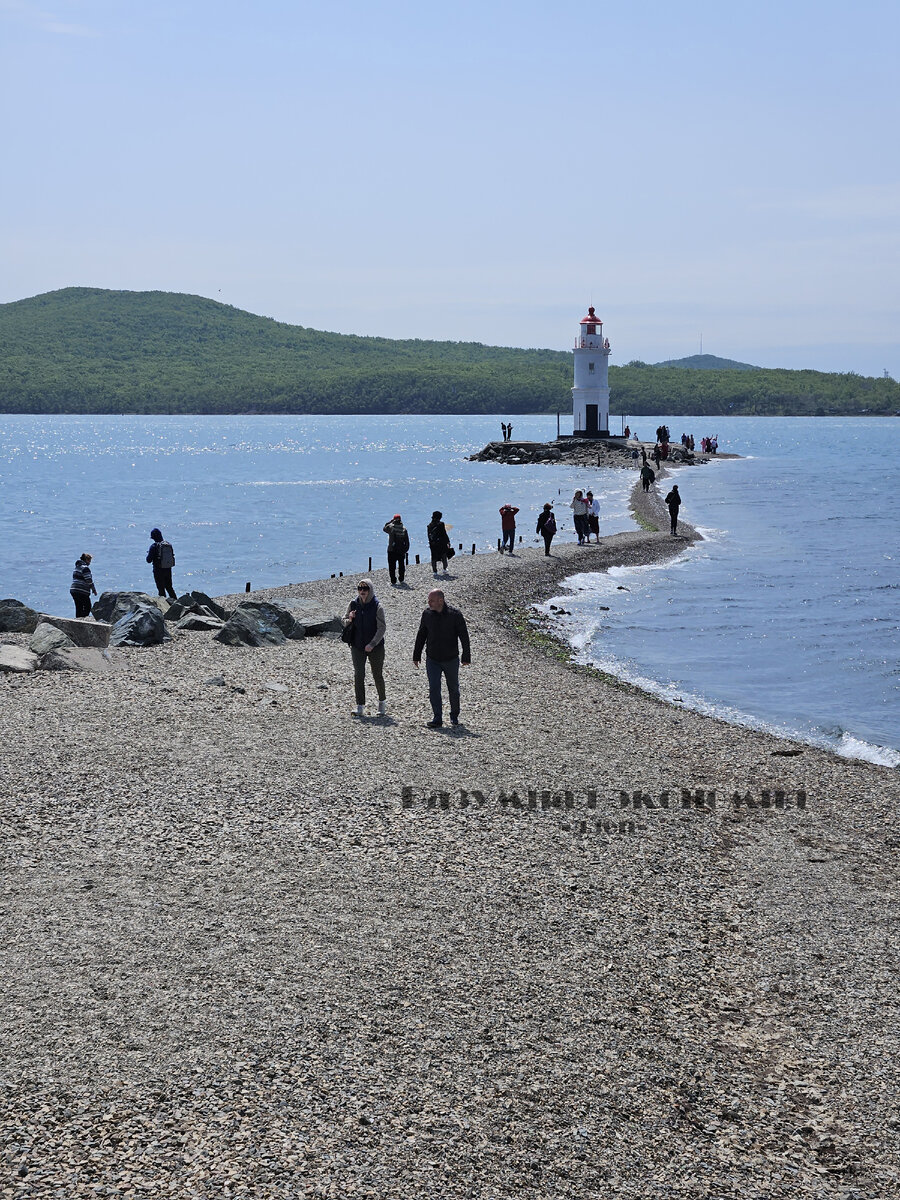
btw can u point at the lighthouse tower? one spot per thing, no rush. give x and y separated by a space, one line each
590 395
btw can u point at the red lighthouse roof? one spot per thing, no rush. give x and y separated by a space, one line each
591 318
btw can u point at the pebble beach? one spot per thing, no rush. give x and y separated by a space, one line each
586 944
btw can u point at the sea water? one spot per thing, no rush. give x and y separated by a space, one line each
786 615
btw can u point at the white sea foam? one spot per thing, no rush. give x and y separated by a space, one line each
579 636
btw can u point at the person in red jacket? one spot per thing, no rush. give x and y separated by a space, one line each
508 526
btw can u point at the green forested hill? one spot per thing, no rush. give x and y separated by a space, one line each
91 350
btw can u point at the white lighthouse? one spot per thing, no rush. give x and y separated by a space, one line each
590 395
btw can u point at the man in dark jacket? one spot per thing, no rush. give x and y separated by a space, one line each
398 547
441 632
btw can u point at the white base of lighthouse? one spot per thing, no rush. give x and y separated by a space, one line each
590 412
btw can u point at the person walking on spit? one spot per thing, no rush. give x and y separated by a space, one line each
546 526
366 615
82 586
647 476
508 526
442 630
674 502
398 548
593 516
162 557
579 508
439 542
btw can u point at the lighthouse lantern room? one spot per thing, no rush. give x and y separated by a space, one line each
590 395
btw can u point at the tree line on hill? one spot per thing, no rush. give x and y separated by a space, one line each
87 350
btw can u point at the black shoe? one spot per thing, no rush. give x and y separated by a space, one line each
454 720
435 724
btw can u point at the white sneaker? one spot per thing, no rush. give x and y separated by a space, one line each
359 711
382 708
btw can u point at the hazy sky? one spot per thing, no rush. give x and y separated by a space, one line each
480 170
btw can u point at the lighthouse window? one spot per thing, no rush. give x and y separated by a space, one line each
591 368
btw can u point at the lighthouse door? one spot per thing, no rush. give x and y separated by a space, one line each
590 420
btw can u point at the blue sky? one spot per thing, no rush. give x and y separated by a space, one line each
476 171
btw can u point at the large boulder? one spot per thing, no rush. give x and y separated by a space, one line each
259 623
16 660
76 658
317 619
17 618
46 638
199 623
195 602
113 605
94 634
143 626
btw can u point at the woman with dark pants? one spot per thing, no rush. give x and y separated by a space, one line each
82 586
438 542
546 526
369 627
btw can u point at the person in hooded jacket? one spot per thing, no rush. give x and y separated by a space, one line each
398 548
438 541
366 615
546 526
161 557
82 586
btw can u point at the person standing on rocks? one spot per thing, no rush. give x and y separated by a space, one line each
673 500
546 527
162 558
503 427
366 615
442 630
82 586
508 526
398 548
439 542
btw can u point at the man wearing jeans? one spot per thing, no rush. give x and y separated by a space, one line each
442 631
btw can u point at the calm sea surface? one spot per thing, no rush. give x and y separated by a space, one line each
786 616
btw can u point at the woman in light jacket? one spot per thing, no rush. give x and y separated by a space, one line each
366 615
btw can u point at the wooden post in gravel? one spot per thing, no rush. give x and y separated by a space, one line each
473 547
247 586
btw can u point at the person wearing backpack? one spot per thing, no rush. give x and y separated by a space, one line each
398 548
546 527
162 558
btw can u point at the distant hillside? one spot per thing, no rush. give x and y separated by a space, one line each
707 362
87 350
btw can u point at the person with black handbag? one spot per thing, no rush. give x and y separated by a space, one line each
364 628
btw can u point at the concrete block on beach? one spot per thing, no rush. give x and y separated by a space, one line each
76 658
16 660
93 634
